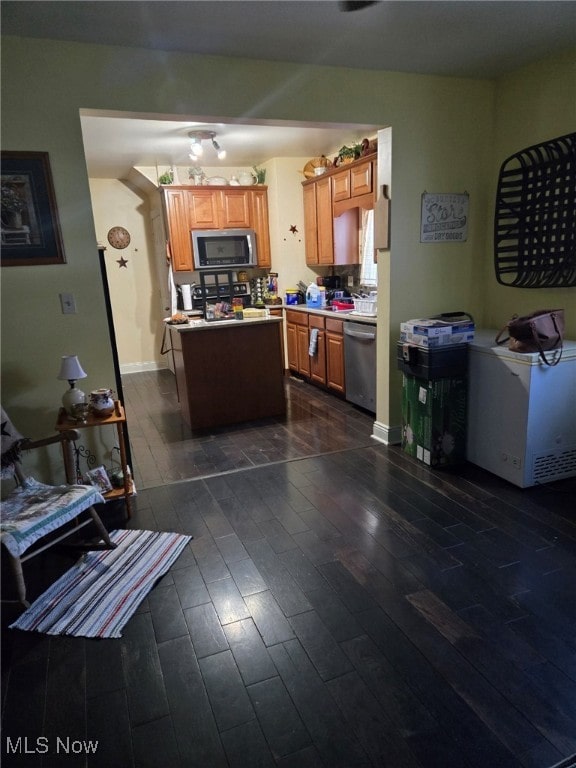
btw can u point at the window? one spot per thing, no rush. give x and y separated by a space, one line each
369 268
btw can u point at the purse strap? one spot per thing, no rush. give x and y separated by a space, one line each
559 341
499 340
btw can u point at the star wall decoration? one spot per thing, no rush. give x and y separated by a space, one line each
122 262
294 229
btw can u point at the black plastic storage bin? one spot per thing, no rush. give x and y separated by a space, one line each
432 362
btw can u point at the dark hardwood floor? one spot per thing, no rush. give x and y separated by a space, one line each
340 605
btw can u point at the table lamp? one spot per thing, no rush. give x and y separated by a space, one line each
71 371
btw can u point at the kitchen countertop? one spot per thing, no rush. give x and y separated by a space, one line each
197 321
199 324
356 317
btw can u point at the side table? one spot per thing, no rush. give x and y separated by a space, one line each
117 418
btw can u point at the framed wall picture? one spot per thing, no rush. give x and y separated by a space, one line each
29 224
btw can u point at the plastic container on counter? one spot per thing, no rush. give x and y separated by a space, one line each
291 296
315 296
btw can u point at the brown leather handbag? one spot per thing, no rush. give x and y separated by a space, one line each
540 331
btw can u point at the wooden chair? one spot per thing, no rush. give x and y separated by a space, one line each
34 511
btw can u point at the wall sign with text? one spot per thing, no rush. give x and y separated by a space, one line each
444 218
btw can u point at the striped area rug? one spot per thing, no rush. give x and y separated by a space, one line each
100 593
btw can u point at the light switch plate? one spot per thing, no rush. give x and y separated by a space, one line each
68 303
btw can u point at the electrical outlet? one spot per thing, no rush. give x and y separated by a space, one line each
68 303
515 461
350 281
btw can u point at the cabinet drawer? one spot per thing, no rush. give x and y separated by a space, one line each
334 326
316 321
297 318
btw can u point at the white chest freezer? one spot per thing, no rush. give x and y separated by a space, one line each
521 412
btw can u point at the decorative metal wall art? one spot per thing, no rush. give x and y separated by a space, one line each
535 217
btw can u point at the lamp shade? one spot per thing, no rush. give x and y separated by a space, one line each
70 369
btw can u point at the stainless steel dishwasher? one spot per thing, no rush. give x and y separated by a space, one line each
360 364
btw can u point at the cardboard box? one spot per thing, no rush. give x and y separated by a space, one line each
430 332
434 420
433 342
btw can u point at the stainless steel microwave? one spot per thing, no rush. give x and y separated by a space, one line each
224 248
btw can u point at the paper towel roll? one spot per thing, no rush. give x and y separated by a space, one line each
186 297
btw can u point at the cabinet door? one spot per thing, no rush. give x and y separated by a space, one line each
341 185
318 361
260 224
324 221
361 179
310 225
203 208
335 362
303 345
234 208
292 346
178 228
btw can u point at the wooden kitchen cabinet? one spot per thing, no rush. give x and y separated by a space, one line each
335 378
310 225
259 223
353 181
332 204
361 179
318 360
297 342
326 367
235 208
187 208
177 217
203 208
303 344
292 346
318 226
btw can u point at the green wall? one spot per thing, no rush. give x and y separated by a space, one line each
444 133
532 105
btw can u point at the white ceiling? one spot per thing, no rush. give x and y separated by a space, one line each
483 38
113 145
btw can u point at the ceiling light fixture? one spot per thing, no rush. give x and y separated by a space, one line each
196 148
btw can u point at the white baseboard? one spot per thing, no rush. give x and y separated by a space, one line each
150 365
385 434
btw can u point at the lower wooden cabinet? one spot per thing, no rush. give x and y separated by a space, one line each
318 359
335 377
297 342
326 366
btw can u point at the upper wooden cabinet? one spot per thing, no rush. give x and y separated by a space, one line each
187 208
332 203
177 216
259 223
234 208
203 207
353 181
318 224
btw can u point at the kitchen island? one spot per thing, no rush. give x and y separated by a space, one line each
229 371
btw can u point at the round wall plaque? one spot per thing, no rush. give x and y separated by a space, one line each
118 237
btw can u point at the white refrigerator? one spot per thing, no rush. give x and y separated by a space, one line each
521 412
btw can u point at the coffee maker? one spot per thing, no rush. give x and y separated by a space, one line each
332 284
